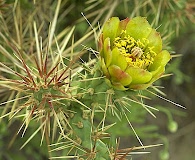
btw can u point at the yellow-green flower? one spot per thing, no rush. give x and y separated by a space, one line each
131 53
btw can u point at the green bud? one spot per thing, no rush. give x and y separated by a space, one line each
173 126
164 155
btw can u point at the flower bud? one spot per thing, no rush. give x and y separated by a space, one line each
172 126
131 53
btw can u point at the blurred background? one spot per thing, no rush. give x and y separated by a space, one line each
174 19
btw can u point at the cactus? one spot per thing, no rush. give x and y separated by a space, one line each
76 104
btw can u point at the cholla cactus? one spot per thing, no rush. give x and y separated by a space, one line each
74 100
131 53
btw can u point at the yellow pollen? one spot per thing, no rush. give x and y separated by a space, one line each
137 52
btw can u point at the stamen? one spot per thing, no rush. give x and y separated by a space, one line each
137 53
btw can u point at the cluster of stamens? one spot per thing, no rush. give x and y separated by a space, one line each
137 52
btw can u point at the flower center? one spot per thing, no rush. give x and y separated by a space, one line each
137 52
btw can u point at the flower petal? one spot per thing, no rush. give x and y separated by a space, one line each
104 68
157 73
118 75
107 54
139 75
160 60
118 59
122 26
115 85
139 86
155 41
118 86
100 43
110 28
138 28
